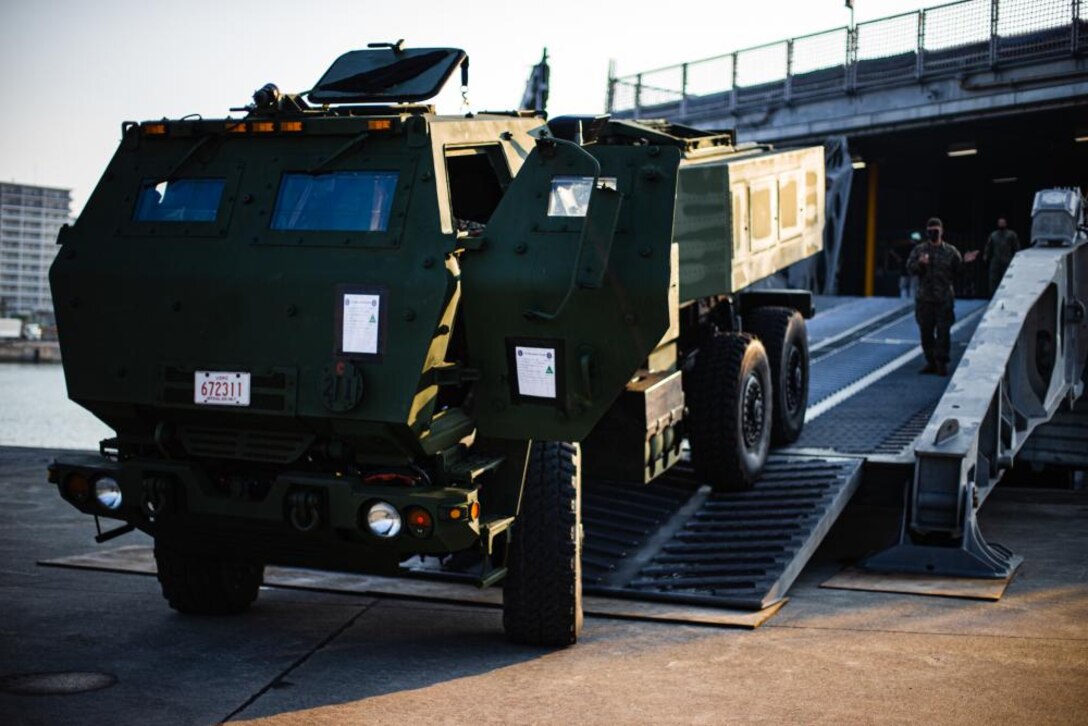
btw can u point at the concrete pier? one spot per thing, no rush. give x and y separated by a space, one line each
30 351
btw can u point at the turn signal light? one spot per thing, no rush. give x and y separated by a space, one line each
77 487
474 510
456 513
379 124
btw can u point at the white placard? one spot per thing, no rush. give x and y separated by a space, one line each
536 369
360 329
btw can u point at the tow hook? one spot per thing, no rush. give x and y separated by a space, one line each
304 510
155 499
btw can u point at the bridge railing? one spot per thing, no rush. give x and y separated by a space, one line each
964 36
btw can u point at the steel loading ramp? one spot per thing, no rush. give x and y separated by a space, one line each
1026 364
674 540
670 542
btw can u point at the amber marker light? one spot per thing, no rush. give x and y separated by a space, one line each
291 126
154 129
77 487
456 513
474 510
262 127
237 127
379 124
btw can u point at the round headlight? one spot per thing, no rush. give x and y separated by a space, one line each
108 492
384 520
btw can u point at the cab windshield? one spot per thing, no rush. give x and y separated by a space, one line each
179 200
343 201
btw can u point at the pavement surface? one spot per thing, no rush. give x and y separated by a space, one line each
829 656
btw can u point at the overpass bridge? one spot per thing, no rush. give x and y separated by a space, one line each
966 60
959 111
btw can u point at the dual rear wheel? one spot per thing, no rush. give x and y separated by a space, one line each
745 391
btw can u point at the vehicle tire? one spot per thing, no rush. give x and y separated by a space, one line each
784 337
729 404
197 584
542 594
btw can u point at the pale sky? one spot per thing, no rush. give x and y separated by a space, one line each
73 70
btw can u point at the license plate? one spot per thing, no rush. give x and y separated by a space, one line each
221 388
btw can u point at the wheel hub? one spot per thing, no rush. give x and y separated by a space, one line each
795 379
752 411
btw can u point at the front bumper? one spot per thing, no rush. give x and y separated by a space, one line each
297 518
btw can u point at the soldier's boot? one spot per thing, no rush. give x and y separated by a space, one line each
929 367
942 368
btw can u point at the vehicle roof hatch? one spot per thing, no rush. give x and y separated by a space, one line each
388 73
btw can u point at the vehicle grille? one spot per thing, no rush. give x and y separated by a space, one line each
279 447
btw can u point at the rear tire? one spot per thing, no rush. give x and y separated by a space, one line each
729 402
542 594
783 334
197 584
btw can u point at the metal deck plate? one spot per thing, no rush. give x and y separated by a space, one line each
838 318
139 560
968 588
882 420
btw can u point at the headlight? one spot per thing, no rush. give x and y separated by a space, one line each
383 519
108 492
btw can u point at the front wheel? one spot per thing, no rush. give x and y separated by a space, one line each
729 401
197 584
542 594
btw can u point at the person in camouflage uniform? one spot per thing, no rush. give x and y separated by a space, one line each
935 263
1000 247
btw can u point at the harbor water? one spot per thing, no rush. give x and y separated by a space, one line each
35 410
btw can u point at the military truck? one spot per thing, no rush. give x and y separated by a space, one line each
341 330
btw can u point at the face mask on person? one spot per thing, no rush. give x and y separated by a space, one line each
933 234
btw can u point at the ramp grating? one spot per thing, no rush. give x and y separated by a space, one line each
739 550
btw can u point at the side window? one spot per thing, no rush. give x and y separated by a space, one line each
347 201
478 178
570 194
179 200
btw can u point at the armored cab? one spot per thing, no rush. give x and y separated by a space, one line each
342 330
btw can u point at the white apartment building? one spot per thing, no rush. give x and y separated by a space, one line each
30 217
